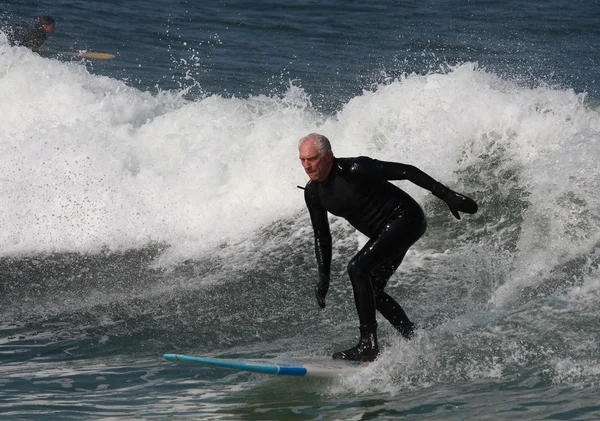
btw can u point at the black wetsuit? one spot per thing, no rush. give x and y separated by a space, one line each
32 37
358 190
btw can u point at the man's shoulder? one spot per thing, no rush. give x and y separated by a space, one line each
351 160
311 186
311 192
20 29
16 30
20 34
354 165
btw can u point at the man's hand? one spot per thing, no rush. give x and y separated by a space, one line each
457 202
321 291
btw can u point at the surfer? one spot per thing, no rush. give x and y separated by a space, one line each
358 190
32 37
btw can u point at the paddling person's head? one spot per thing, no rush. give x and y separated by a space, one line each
47 24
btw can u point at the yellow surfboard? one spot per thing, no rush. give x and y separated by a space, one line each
82 53
93 54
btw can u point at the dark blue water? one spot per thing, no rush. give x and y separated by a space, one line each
332 49
150 206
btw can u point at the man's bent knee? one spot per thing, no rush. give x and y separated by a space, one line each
356 272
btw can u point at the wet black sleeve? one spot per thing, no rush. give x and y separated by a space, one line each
16 35
383 170
30 37
320 223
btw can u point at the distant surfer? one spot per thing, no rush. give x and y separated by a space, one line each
358 190
32 37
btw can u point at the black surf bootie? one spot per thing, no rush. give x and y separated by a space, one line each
407 330
366 350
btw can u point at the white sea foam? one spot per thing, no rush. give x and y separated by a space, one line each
87 162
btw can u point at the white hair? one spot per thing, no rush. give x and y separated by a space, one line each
321 142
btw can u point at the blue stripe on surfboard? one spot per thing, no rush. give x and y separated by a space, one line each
246 366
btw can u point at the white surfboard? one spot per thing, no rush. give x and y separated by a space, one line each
329 368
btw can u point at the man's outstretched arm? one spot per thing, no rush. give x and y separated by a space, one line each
397 171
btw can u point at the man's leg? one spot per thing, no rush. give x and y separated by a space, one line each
389 246
375 263
385 304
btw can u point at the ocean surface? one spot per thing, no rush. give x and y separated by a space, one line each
150 206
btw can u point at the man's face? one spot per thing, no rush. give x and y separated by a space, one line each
49 29
316 165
